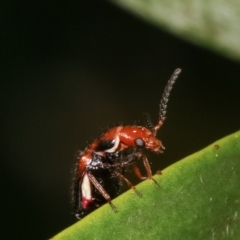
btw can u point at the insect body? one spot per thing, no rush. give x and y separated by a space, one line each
100 167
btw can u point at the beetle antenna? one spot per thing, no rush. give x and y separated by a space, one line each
148 121
165 98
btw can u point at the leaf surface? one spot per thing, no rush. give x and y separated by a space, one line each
209 23
199 198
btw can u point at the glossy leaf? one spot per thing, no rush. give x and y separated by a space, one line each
213 24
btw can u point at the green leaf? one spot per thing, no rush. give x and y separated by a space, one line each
210 23
199 198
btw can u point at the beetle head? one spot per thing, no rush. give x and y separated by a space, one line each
140 137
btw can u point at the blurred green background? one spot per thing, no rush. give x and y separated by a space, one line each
68 71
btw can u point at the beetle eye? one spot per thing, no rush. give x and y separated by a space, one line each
139 142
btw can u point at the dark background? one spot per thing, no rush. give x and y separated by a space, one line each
70 69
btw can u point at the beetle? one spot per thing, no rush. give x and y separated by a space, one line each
100 168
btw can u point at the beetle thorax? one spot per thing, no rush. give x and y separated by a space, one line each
122 137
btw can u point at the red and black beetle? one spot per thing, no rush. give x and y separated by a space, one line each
100 167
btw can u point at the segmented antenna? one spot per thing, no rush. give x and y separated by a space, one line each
165 98
166 93
148 121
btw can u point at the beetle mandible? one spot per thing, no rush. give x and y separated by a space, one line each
100 168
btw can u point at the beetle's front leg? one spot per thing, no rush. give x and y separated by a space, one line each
137 172
139 155
148 169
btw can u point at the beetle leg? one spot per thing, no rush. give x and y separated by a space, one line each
137 172
101 190
128 183
148 169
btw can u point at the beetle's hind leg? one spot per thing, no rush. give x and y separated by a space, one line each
101 190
